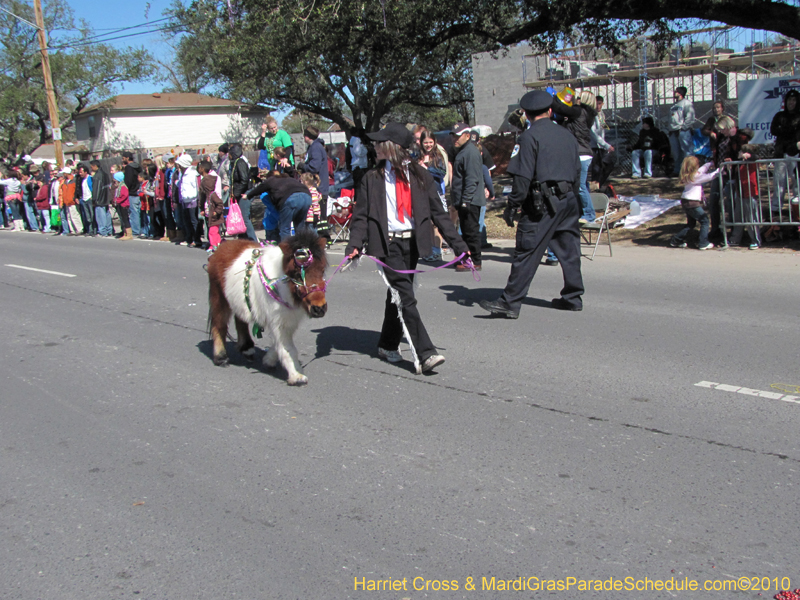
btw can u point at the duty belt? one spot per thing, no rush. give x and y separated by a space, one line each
556 188
401 235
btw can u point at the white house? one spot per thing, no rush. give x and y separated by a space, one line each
163 122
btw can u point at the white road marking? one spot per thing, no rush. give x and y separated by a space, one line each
749 392
42 271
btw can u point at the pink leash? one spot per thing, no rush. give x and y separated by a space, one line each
468 262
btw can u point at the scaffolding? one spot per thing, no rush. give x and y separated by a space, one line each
636 82
709 62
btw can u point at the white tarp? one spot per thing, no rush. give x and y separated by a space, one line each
651 207
759 100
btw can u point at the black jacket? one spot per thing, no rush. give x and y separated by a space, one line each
132 170
101 188
785 127
579 121
240 172
370 226
652 139
279 189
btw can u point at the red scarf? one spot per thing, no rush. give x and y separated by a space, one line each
403 195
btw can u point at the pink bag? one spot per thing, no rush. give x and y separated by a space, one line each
234 223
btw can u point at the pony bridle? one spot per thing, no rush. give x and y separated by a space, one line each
302 260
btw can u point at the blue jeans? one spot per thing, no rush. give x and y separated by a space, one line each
134 214
694 216
785 179
636 166
65 221
294 211
244 206
103 218
681 146
30 212
586 199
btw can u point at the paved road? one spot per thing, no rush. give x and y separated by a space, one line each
559 445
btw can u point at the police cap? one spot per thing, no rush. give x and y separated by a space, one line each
536 101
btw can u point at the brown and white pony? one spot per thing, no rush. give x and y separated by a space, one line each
271 287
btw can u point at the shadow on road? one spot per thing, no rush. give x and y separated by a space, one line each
470 297
235 359
345 339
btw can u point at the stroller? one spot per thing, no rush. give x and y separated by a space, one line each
340 217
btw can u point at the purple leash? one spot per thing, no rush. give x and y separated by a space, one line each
467 262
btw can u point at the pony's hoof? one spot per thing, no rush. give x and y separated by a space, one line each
299 379
249 354
221 361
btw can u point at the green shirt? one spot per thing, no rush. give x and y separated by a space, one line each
281 139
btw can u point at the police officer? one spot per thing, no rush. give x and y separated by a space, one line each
546 170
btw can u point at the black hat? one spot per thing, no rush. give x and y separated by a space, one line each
224 148
460 128
128 155
536 101
393 132
649 121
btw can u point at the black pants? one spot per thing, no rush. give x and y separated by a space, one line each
561 233
157 223
192 228
403 255
322 225
469 217
602 165
124 221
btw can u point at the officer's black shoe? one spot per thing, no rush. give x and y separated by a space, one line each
562 304
496 308
551 263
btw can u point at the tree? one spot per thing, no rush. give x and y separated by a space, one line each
297 120
186 72
368 58
333 59
83 73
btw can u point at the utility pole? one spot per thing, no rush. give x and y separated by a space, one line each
48 83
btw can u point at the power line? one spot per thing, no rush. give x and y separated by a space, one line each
80 43
20 18
132 27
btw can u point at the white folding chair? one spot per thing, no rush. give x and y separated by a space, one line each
600 202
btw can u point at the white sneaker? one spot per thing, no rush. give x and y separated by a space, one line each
708 246
430 363
392 356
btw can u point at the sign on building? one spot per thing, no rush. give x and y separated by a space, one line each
759 100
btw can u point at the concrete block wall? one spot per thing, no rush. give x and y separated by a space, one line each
498 83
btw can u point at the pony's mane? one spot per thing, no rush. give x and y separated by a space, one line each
307 238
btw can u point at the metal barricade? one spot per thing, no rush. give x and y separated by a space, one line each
756 196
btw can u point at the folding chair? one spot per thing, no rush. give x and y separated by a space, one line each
599 202
339 220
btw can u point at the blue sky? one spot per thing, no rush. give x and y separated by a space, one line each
116 15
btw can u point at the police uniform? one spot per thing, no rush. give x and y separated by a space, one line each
548 155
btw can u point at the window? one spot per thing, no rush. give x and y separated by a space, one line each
92 127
